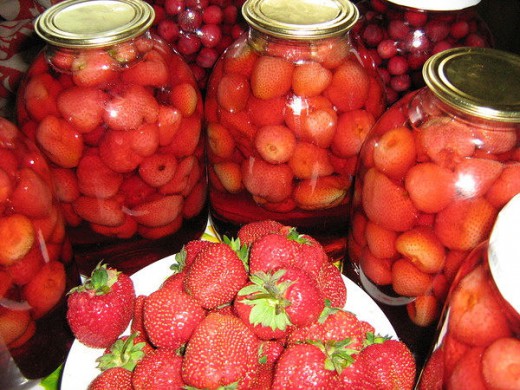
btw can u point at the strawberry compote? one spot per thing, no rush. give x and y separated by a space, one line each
118 114
401 35
478 339
288 106
434 172
36 267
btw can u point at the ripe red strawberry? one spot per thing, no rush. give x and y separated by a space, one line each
126 352
158 370
170 317
272 251
283 297
333 325
137 317
388 365
222 351
302 366
117 378
101 309
216 275
252 231
331 284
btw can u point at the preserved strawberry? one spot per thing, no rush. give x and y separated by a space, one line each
287 108
119 117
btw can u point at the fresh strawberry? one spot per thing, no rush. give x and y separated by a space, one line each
283 297
272 251
126 352
252 231
233 349
137 317
117 378
101 309
158 370
170 317
331 284
269 352
388 365
217 274
334 324
303 366
432 373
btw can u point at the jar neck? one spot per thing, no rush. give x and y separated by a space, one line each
438 5
425 105
297 50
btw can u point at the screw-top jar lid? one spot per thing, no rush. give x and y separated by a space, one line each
301 19
503 251
436 5
482 82
87 24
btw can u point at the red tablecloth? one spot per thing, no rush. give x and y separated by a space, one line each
18 46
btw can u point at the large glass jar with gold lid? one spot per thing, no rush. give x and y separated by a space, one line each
118 114
433 174
287 108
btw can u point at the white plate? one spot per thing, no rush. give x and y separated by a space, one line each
80 367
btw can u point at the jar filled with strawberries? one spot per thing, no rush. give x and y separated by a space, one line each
478 340
434 172
287 107
36 267
401 35
118 114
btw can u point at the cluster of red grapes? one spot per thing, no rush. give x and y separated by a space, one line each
200 30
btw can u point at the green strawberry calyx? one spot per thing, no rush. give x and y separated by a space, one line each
242 251
338 353
266 296
100 282
125 352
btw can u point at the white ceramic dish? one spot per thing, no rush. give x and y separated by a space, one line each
80 367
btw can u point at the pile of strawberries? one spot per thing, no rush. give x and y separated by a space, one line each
263 310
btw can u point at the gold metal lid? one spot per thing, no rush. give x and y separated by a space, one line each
301 19
478 81
93 23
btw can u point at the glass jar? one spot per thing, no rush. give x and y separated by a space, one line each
200 30
287 107
401 35
36 267
118 114
433 174
478 340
